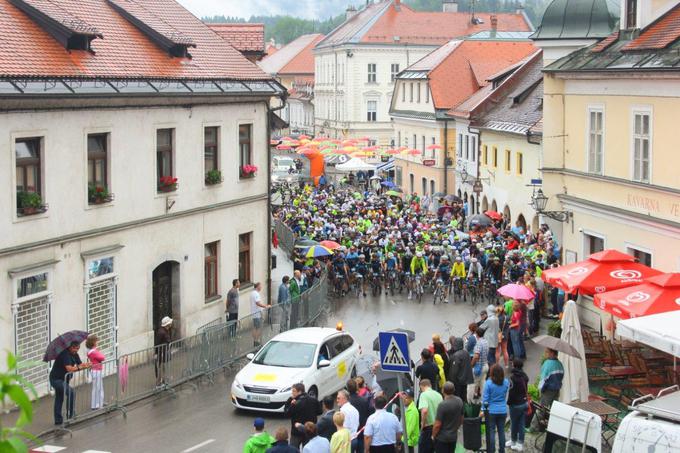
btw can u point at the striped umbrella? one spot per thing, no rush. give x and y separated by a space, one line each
317 251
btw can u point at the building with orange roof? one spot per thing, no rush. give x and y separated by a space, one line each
610 137
293 66
429 92
247 38
357 63
142 100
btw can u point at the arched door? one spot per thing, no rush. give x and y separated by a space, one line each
521 222
165 293
485 204
494 206
506 213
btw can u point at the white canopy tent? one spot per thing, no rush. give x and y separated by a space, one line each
657 331
355 164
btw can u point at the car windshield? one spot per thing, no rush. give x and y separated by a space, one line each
285 163
286 354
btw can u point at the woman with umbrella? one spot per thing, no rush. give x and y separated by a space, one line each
64 351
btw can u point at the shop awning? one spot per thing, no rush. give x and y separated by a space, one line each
603 271
659 294
658 331
387 166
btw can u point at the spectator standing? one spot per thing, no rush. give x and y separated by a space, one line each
383 429
257 307
552 373
428 403
260 441
301 408
96 357
471 339
494 402
517 402
162 350
281 445
294 292
352 417
460 370
412 420
447 421
480 367
232 305
491 329
341 441
503 333
428 369
325 426
362 405
68 361
283 300
516 332
315 443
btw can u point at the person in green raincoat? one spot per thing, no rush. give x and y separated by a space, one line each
260 441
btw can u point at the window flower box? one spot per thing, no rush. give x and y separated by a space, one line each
30 203
248 171
213 177
98 195
167 184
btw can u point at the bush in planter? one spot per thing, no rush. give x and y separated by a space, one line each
213 177
29 201
555 329
98 194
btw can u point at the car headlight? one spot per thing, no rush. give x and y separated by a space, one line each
287 389
238 384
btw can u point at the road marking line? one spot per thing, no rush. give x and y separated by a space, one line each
48 449
196 447
96 451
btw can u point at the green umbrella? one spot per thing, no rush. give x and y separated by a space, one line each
393 193
357 195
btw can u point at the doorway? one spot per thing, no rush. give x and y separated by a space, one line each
165 294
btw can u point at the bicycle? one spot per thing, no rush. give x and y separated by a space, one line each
438 292
392 282
376 287
418 289
358 285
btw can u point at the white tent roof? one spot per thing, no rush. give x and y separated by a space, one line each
355 164
658 331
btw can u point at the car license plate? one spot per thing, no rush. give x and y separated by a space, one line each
258 398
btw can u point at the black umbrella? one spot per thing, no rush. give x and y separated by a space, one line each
453 199
439 195
479 220
411 336
62 342
303 243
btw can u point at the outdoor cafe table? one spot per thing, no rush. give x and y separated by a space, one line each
601 409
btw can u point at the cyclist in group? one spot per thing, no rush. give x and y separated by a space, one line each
341 272
376 266
494 271
444 273
391 269
362 269
418 267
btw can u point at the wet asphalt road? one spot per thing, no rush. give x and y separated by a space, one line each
202 419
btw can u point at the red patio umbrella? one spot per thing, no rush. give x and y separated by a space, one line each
493 215
659 294
332 245
431 147
603 271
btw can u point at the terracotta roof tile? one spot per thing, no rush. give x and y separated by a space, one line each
26 50
606 42
468 66
436 28
295 57
244 37
659 34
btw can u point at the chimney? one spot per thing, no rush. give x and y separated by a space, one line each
450 6
397 5
494 22
350 12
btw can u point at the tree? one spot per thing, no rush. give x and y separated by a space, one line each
15 390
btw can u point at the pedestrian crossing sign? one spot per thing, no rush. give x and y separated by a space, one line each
394 355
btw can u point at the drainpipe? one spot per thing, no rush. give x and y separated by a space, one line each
446 157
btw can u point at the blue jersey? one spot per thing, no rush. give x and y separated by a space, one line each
391 263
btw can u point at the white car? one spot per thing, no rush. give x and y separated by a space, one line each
320 358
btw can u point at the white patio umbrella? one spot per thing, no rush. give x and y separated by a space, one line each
355 164
575 381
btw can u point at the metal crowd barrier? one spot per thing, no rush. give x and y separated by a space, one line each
151 371
285 235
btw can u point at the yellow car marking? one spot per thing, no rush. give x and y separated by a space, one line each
264 377
342 369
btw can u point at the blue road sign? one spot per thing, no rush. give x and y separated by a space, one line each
394 354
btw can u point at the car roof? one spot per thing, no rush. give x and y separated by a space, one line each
307 335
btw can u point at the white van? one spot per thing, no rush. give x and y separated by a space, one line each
282 163
653 426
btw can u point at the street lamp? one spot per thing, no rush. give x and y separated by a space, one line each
539 201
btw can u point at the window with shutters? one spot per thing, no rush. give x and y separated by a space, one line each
211 270
595 140
642 145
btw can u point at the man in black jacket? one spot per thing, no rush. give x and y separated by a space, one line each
301 408
325 426
460 369
428 369
363 407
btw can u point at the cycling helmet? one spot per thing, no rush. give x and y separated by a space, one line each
362 256
458 258
390 255
419 254
473 260
445 258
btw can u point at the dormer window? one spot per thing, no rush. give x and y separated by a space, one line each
631 14
69 30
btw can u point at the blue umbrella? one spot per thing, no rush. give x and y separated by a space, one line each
388 184
62 342
317 251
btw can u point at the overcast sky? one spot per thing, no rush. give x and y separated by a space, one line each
309 9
